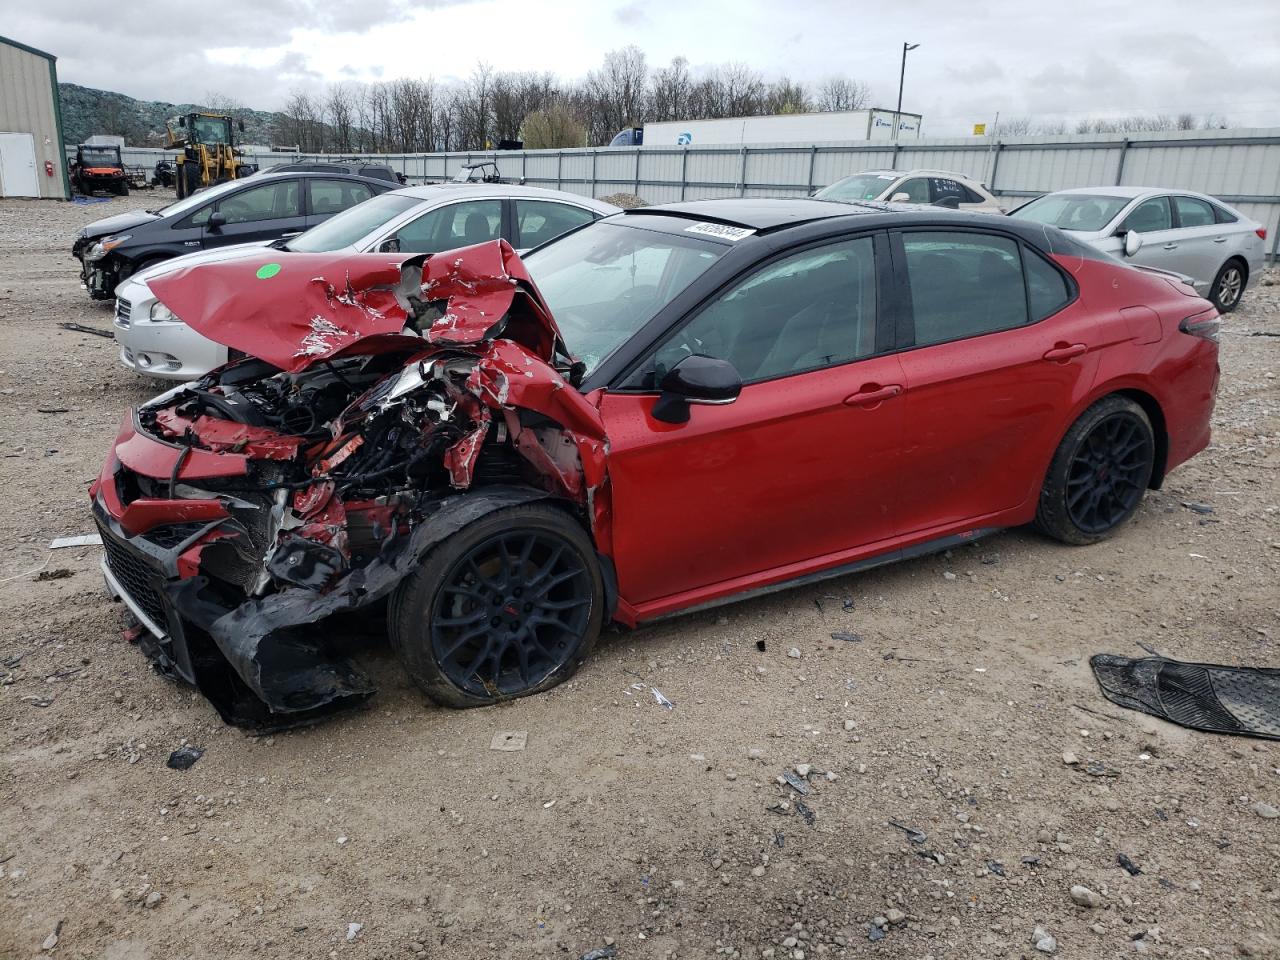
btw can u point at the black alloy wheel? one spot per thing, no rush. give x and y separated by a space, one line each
506 607
509 613
1099 473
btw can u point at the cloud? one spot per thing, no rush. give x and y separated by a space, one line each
631 15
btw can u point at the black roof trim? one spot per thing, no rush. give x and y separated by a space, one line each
761 214
22 46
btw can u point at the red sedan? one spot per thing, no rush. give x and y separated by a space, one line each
733 396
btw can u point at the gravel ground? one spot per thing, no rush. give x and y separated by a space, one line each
397 831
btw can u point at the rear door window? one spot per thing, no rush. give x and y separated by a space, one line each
1149 216
538 221
943 187
963 284
333 196
1193 212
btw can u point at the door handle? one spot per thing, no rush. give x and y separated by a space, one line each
1170 246
872 394
1065 351
1219 239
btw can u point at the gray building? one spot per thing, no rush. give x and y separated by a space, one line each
32 163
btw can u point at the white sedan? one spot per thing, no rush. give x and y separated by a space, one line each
426 219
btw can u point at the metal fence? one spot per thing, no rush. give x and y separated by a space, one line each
1240 167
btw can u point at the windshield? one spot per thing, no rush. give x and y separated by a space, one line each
98 157
607 280
861 186
1073 211
209 130
345 228
197 199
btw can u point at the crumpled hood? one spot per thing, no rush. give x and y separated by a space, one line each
117 224
299 309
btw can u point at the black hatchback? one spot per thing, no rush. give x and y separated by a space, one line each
269 206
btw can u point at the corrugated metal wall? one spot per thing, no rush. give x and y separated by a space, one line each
27 105
1242 167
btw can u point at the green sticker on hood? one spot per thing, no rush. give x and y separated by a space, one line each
267 271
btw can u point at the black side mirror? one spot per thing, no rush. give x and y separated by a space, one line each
695 379
217 220
242 126
951 203
182 121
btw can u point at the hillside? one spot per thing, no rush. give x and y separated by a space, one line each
86 111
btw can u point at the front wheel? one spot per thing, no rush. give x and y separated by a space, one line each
1098 474
1228 287
508 606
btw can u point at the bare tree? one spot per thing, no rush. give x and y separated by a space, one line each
339 110
671 91
618 89
786 96
732 90
842 93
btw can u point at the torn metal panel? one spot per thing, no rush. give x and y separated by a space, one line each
390 402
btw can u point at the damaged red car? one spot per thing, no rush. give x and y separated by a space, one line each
691 403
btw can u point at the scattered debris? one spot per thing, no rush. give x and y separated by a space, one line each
184 758
353 930
1096 768
61 573
1264 810
794 653
1082 896
996 867
875 933
604 953
760 645
846 636
509 740
38 701
81 328
1070 759
1202 508
154 899
1043 941
53 410
1129 866
798 784
1244 701
87 540
914 835
805 811
662 701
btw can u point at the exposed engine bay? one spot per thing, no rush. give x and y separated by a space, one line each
390 402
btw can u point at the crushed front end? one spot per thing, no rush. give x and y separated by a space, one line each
388 404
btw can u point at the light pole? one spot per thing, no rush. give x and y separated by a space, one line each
902 76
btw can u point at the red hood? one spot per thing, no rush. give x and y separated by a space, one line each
296 309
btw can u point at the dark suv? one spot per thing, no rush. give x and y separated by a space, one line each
269 206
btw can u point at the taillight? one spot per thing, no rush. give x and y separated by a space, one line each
1203 325
1261 232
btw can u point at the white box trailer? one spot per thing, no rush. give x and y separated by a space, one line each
875 124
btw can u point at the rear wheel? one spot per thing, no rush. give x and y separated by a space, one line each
508 606
1099 473
1228 286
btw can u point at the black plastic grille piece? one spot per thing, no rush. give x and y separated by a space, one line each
136 577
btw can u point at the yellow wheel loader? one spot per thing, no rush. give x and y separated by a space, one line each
208 153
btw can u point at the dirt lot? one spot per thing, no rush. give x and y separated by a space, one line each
623 822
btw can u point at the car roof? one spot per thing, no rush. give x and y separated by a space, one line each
1131 193
432 191
314 175
766 215
922 172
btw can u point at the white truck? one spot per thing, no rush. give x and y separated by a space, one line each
874 124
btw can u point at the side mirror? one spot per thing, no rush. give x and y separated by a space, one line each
1132 243
242 126
900 197
217 220
390 245
182 121
695 379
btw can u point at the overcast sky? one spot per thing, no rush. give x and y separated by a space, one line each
1090 58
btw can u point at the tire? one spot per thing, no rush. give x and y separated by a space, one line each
1228 286
127 270
1098 474
524 597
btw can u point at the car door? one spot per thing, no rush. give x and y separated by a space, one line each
1153 218
538 221
327 197
1201 241
265 211
448 226
915 188
997 349
801 465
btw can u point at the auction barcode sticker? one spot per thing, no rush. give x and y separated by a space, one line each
720 230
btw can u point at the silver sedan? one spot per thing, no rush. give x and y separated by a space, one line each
426 219
1189 233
